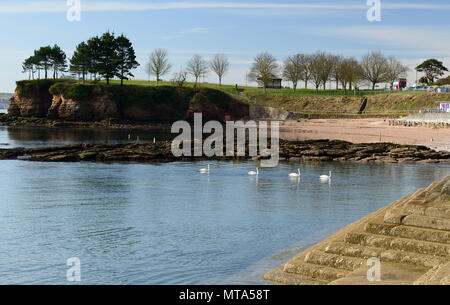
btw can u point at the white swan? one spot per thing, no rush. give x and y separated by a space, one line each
206 170
254 173
325 177
295 174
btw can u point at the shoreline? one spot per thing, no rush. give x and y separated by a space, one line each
11 121
354 130
369 130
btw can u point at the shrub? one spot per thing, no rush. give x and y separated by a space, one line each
76 92
30 88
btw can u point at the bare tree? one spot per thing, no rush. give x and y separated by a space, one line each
264 69
158 64
180 78
306 61
220 65
197 67
293 68
351 73
320 69
328 66
336 62
394 70
375 68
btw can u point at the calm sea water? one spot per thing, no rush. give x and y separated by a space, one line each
168 224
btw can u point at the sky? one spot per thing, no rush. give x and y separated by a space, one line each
411 30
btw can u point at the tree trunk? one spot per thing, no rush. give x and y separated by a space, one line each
373 86
295 87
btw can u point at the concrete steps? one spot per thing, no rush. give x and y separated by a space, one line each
315 272
397 243
427 222
411 237
432 211
437 236
392 256
332 260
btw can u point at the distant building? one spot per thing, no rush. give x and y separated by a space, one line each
399 84
274 83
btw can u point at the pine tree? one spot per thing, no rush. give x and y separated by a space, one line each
107 64
126 58
58 60
43 58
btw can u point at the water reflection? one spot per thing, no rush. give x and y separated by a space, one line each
41 136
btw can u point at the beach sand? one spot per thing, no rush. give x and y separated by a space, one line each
365 131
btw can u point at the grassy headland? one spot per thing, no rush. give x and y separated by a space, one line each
128 102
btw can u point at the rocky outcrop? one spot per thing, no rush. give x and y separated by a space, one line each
91 109
70 101
411 238
325 150
29 105
289 151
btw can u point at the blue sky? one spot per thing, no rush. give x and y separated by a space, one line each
411 30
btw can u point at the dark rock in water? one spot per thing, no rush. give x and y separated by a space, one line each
307 151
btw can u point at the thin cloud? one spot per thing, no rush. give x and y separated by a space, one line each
418 39
194 30
104 6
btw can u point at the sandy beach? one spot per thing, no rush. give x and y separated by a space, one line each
365 131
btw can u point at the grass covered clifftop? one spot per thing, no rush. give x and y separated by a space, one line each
70 100
329 102
382 104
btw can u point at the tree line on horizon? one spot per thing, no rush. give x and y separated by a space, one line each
108 56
